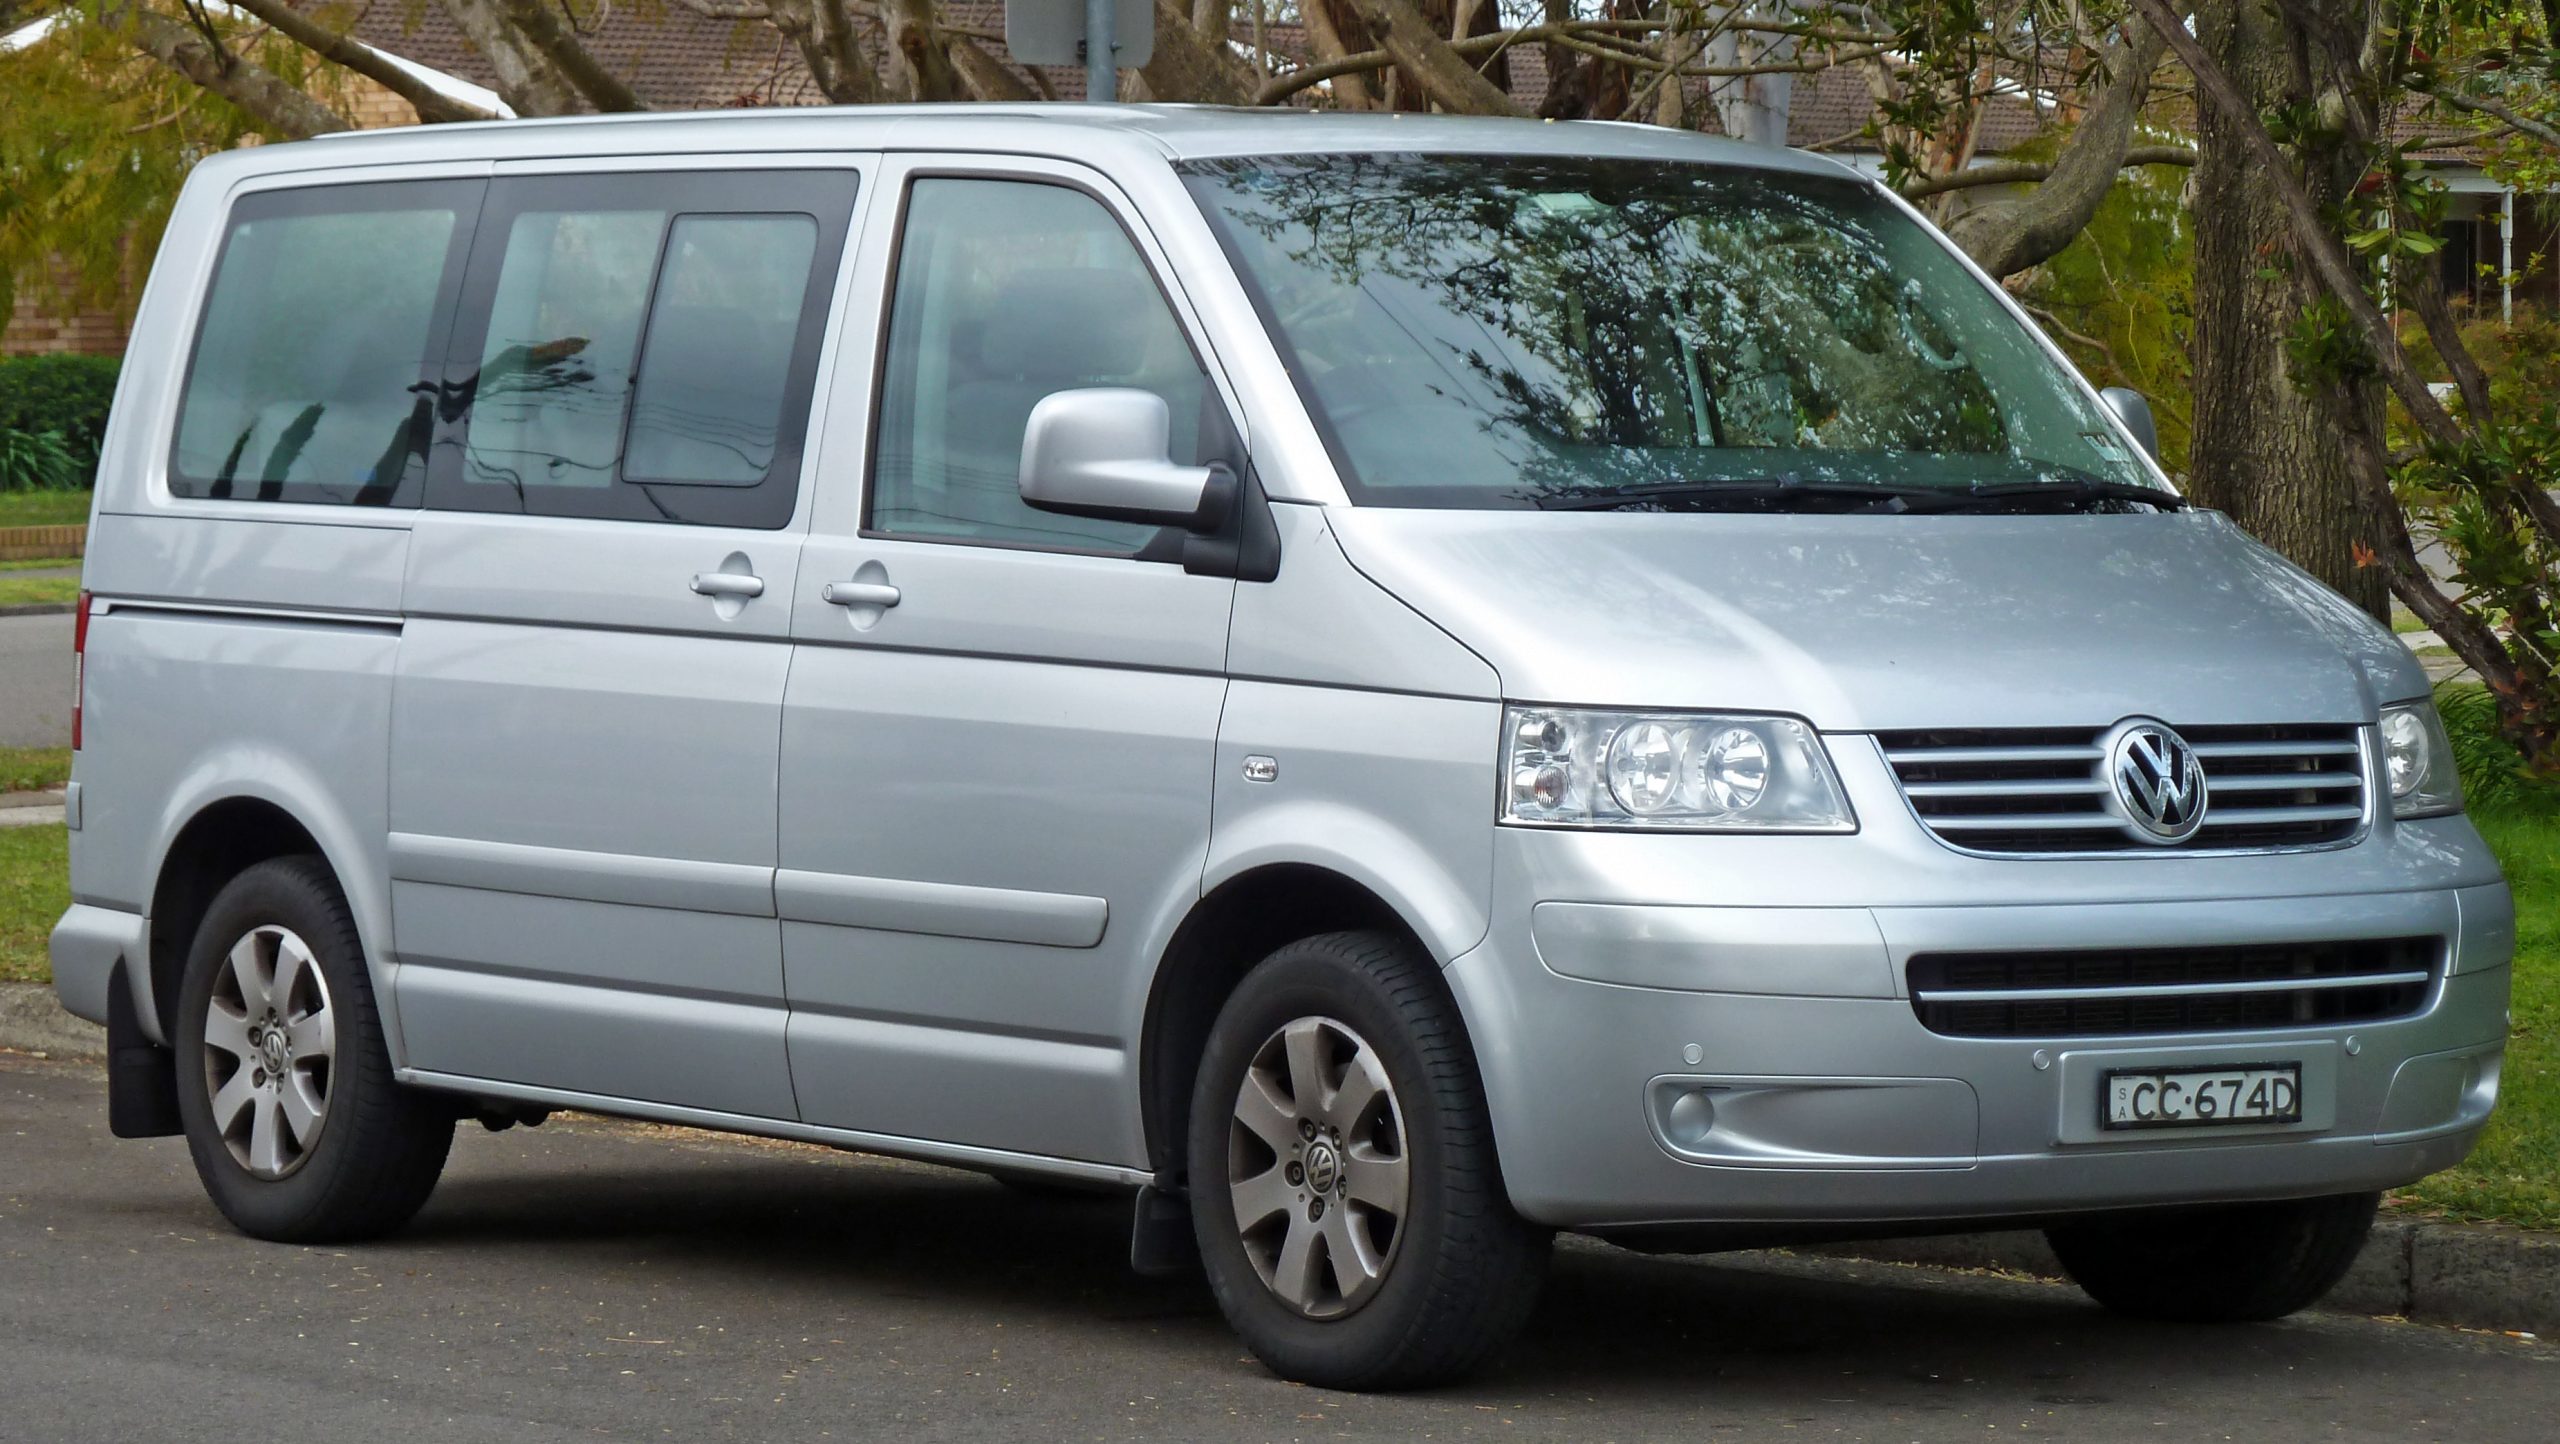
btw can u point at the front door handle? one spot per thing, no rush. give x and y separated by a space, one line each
728 584
860 594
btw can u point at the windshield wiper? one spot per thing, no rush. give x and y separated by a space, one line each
1742 493
2079 490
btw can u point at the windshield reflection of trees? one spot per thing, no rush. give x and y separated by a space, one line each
1601 324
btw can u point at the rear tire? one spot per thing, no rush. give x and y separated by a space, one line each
2242 1264
284 1085
1385 1254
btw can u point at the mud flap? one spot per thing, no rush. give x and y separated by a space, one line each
142 1076
1161 1244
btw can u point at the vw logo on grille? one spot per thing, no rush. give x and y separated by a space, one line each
2159 784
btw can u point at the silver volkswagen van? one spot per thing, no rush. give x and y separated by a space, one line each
1389 685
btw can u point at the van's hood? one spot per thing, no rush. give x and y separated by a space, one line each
1858 623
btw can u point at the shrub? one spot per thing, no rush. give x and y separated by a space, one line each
2494 775
64 395
39 461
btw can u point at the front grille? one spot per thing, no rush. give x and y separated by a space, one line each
2045 790
2079 994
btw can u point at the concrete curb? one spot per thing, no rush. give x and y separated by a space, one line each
2468 1275
38 609
2474 1276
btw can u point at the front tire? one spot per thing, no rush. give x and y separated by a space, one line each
284 1085
1344 1188
2243 1264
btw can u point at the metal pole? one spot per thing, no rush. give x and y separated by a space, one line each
2507 257
1101 77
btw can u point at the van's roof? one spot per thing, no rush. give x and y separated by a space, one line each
1174 131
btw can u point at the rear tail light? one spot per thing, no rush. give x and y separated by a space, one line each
79 667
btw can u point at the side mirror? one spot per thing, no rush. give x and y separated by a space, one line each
1101 452
2135 413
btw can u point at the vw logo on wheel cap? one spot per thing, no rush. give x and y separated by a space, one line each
2159 785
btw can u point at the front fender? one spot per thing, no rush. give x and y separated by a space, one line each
1394 792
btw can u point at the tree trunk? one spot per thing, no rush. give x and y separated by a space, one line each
2267 446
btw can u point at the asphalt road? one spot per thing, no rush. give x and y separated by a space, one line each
35 681
591 1280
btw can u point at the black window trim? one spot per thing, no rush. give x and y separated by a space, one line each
1166 544
469 194
769 505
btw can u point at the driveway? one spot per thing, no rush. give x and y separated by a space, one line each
589 1280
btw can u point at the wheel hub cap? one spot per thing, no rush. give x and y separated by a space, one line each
270 1043
1317 1168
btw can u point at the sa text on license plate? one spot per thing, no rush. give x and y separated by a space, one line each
2203 1097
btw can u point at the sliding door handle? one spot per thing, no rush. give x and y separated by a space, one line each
728 584
860 594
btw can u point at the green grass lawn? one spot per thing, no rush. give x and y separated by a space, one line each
35 886
31 591
38 564
44 508
34 769
2514 1176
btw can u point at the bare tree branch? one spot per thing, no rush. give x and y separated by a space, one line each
279 107
2016 172
823 32
923 64
526 77
2540 131
2007 237
986 79
434 107
603 89
1420 52
1187 67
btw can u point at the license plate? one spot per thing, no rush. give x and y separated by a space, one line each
2204 1097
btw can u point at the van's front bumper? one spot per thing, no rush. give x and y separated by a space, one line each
1621 974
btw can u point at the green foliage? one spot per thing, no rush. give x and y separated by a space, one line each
2514 1176
2494 776
37 461
2324 347
95 139
44 508
35 887
2121 299
66 396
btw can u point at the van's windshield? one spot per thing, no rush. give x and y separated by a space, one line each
1511 331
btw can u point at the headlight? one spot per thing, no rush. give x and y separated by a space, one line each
1568 767
2417 762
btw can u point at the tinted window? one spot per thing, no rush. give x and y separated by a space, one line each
326 314
1007 291
643 347
709 401
1505 330
564 334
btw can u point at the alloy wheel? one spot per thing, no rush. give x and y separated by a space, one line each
1317 1167
270 1046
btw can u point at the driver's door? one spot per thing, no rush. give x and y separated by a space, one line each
999 730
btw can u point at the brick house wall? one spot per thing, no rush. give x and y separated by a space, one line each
35 329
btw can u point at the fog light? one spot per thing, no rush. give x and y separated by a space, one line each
1690 1118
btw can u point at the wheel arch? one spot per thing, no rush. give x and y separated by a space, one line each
226 825
1236 924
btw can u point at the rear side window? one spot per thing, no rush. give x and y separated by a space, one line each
641 347
311 379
